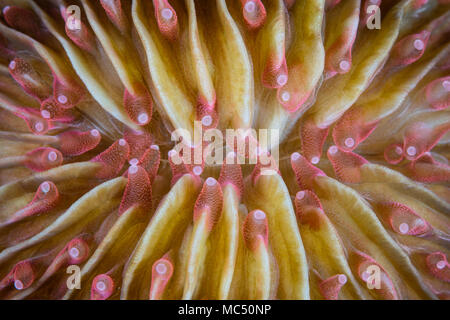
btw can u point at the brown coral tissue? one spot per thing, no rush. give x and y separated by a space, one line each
117 181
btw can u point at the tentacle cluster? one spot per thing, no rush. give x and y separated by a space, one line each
356 206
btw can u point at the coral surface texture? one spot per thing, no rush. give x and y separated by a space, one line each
225 149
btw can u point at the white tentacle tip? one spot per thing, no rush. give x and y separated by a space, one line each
333 150
285 96
344 65
441 264
100 286
18 284
133 169
419 44
211 181
295 156
52 156
39 126
143 118
74 253
403 228
411 151
315 160
197 170
349 142
207 120
161 268
62 99
342 278
166 13
250 6
259 215
12 65
282 80
45 187
300 195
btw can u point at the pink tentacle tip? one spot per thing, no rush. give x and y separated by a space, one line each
420 138
150 161
231 173
275 73
45 199
409 49
167 19
23 20
312 139
338 58
438 265
209 202
437 93
112 159
402 219
308 209
162 271
373 274
67 95
77 251
43 159
304 171
102 287
330 287
206 113
138 192
254 13
29 79
21 276
139 106
393 153
34 120
74 142
292 96
336 65
346 165
351 129
255 229
139 141
114 10
51 110
427 170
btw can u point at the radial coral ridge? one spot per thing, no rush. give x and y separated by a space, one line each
95 205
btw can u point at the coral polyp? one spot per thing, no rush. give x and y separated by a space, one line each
134 162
